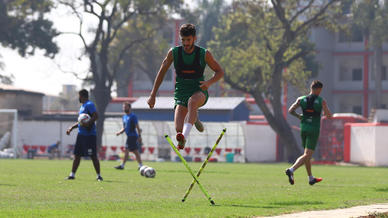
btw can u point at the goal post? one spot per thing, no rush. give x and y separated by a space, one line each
8 132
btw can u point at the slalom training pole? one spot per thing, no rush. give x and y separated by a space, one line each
204 164
189 169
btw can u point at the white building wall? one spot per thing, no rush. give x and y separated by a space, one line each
362 148
368 145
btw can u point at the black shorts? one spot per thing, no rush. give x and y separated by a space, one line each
85 145
132 143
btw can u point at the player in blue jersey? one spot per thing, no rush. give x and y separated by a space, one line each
85 144
130 125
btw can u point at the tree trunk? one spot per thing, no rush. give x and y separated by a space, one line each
280 125
102 99
377 66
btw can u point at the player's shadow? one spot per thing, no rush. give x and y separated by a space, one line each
113 181
293 203
381 189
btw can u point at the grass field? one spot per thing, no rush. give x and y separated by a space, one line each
38 188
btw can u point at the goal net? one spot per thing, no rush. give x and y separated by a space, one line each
8 134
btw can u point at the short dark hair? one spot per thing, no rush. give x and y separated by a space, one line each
84 93
127 103
316 84
187 29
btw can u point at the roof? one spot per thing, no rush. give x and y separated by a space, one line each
9 88
214 103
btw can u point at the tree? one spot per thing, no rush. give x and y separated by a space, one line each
24 27
143 58
371 16
257 41
111 16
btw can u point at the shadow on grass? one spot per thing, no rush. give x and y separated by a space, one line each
246 206
7 184
293 203
381 189
113 181
195 171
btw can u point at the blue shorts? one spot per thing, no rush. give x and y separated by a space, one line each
132 143
85 145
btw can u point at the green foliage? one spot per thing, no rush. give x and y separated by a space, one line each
36 188
24 27
246 44
145 56
205 16
371 16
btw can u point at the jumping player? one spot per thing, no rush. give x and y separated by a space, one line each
130 124
85 144
190 87
310 122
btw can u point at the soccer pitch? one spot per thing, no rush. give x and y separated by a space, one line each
37 188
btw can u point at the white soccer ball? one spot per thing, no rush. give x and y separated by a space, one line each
83 118
150 172
142 169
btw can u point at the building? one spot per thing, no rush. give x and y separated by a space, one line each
28 103
347 71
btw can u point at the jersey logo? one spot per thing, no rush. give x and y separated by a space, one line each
188 71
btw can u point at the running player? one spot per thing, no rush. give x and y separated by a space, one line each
310 122
85 144
190 87
130 124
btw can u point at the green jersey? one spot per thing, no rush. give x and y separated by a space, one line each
189 70
312 108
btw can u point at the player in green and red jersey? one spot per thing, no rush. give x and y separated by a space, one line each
310 123
190 87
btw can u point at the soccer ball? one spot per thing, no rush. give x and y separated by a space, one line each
150 172
83 118
142 169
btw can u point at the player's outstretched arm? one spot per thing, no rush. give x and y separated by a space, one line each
120 132
159 77
326 110
292 109
213 64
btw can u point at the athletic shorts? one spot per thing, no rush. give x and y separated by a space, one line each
309 139
85 145
132 143
183 98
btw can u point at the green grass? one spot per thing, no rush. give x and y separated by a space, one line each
37 188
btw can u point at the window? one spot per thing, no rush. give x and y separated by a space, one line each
350 69
357 74
384 75
355 35
346 7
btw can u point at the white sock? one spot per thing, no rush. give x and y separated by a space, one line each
291 169
98 175
186 129
122 164
72 174
140 164
311 178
